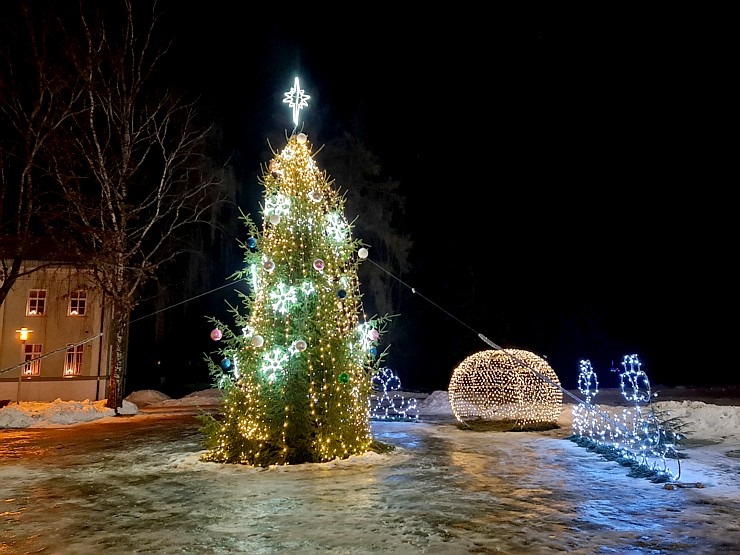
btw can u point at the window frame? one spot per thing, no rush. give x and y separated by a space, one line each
81 302
73 360
38 300
32 364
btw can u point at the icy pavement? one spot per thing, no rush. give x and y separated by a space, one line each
136 485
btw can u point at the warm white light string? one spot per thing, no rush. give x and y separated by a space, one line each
491 385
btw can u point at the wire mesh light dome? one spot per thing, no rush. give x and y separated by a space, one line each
513 386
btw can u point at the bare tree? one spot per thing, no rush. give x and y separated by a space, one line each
132 165
35 100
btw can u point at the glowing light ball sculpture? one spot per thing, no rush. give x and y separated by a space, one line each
509 385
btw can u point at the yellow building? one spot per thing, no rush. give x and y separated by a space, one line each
53 337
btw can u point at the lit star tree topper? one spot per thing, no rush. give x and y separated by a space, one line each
297 99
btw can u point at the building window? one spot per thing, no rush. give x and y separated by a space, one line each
77 303
36 302
31 354
73 362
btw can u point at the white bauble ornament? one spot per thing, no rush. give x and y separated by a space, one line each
362 253
257 341
274 219
300 345
269 265
301 138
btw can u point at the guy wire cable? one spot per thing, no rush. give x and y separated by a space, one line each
499 348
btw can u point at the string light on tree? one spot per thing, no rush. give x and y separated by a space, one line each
305 359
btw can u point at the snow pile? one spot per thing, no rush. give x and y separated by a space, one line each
207 398
438 402
146 397
40 415
702 419
153 398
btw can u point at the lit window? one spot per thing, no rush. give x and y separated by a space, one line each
73 361
77 303
36 302
31 354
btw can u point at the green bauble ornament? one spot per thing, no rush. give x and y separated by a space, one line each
343 377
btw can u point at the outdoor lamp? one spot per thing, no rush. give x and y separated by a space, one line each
23 334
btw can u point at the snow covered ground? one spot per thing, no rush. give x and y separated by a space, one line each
139 487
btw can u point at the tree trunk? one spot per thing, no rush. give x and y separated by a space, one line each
119 346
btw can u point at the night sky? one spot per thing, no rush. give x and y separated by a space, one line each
563 171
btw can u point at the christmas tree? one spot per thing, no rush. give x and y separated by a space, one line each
297 377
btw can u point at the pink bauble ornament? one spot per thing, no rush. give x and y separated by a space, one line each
374 334
216 334
300 345
268 265
318 264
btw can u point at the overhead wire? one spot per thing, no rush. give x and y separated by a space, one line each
498 347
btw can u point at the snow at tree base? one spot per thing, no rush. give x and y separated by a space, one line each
297 376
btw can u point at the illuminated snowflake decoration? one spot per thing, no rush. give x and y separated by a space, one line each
278 204
336 228
369 335
296 99
273 363
283 297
